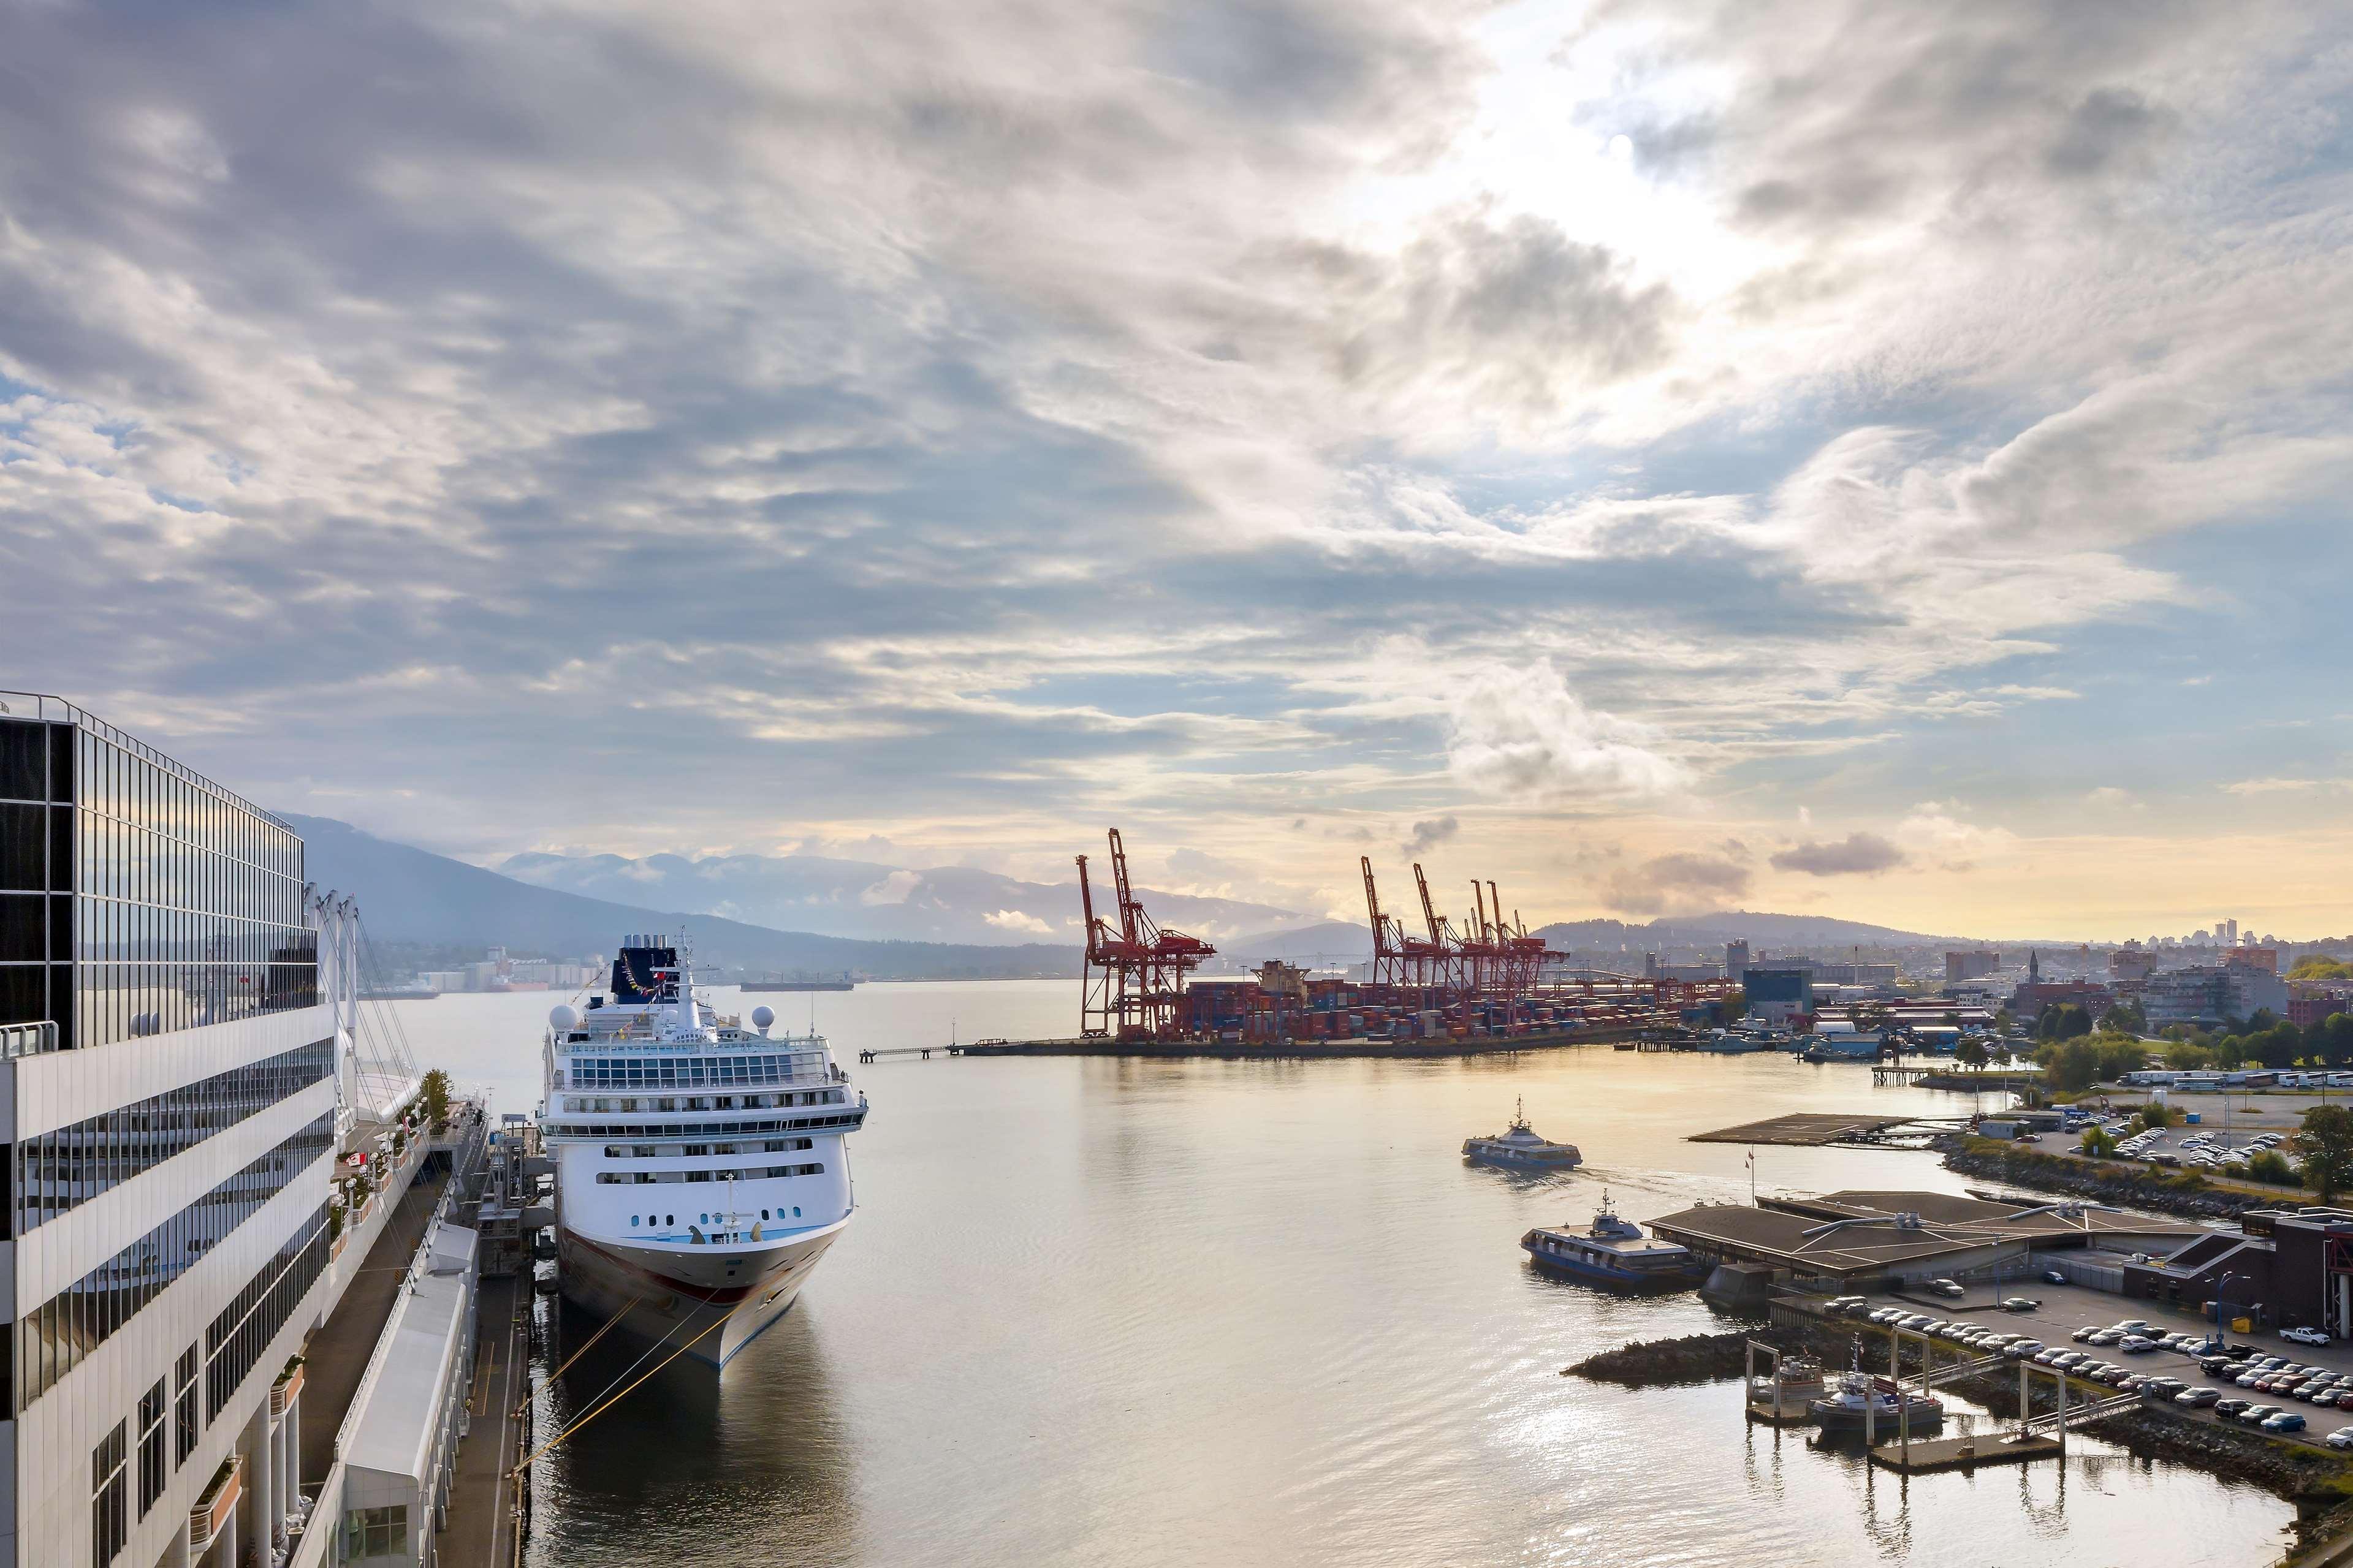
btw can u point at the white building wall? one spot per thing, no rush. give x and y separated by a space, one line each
54 1438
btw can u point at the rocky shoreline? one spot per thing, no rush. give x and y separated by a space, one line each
1647 1364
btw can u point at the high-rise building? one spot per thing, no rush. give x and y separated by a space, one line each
1735 960
168 1096
1971 964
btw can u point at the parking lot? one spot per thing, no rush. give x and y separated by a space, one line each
2063 1308
2231 1134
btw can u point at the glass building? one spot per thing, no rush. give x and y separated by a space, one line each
136 896
168 1114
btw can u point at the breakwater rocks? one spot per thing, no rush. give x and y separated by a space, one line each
2184 1195
1695 1358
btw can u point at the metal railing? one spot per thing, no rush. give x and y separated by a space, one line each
57 710
28 1039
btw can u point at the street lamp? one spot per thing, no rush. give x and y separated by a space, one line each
2222 1299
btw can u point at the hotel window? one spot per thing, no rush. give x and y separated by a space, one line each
152 1473
110 1519
186 1430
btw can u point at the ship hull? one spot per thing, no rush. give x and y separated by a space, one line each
1645 1280
713 1300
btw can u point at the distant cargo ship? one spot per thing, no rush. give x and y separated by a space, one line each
844 983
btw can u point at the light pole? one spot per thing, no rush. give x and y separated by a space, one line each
2222 1299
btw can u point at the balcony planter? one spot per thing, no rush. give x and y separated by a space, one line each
212 1511
283 1392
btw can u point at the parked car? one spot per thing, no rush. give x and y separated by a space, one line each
2021 1349
1946 1287
2020 1304
2132 1326
2286 1421
2304 1336
2340 1439
2256 1414
2054 1276
2198 1398
2135 1344
2079 1335
2230 1409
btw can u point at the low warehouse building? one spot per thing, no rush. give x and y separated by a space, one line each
1850 1240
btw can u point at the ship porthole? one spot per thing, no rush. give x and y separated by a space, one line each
633 1219
797 1213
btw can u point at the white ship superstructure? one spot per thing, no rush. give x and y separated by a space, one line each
701 1167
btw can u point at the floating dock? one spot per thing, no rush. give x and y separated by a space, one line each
1964 1453
1803 1130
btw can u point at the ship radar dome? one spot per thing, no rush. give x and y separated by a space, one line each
563 1018
762 1017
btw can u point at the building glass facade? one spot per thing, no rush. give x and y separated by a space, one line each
136 896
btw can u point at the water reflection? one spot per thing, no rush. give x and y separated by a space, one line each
693 1465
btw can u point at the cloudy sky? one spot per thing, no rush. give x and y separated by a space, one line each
1869 459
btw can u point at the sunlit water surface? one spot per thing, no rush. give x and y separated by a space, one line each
1100 1311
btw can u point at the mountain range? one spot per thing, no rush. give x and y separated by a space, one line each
880 919
872 902
411 895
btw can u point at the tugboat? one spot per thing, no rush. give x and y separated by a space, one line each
1859 1392
1521 1149
1615 1252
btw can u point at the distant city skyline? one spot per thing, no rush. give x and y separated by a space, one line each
1524 441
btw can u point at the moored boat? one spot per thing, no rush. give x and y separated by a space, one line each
701 1167
1615 1251
1861 1402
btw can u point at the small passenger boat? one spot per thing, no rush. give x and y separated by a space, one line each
1859 1392
1521 1149
1614 1251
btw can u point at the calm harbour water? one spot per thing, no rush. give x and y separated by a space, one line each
1101 1311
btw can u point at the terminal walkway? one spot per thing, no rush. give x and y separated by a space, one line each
338 1354
485 1517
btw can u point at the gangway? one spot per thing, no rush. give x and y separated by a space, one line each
2078 1415
1937 1378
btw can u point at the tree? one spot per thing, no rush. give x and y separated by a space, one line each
2319 966
1736 1005
2069 1066
2154 1115
2332 1039
436 1100
2126 1018
2099 1142
2064 1021
2271 1167
1970 1054
2326 1147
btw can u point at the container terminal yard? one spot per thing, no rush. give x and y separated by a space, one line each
1444 987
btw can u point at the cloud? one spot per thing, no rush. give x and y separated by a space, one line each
2112 797
1015 921
2285 786
962 424
1429 835
1679 881
1857 854
895 889
1521 733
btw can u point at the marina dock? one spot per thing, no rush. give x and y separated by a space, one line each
1964 1453
1272 1050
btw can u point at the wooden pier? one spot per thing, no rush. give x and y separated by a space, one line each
1802 1129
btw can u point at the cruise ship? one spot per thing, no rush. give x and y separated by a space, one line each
702 1168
